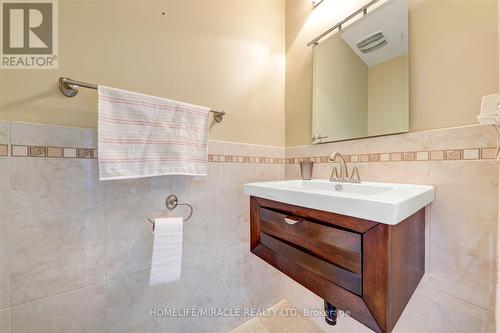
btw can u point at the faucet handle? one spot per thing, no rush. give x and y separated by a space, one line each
335 174
355 173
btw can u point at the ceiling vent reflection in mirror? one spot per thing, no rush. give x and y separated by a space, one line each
372 42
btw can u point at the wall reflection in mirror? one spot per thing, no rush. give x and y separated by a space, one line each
361 77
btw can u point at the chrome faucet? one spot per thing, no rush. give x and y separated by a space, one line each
344 172
344 177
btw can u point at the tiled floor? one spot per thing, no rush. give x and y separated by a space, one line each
279 322
429 311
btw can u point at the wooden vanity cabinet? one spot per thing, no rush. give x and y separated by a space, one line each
367 268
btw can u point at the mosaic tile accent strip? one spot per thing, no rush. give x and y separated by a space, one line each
38 151
396 157
69 152
488 153
453 154
49 152
409 156
4 150
54 152
373 157
466 154
471 154
84 152
19 151
437 155
422 156
245 159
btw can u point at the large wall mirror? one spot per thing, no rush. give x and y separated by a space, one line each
361 77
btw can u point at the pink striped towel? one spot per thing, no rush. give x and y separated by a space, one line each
145 136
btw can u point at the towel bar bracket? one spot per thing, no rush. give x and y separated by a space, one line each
218 115
70 88
67 89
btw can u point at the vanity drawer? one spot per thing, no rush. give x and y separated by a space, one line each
333 245
307 262
368 268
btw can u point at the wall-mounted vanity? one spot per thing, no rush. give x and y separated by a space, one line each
360 247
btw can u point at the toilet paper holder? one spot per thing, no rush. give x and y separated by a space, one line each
171 203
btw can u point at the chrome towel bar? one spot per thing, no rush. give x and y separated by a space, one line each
69 88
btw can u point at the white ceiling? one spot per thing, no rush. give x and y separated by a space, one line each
392 19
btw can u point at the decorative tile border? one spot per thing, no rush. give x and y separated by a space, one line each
84 152
465 154
37 151
19 151
4 150
245 159
69 152
49 152
91 153
54 152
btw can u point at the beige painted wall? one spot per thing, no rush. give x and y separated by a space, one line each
340 90
387 109
453 60
215 54
228 55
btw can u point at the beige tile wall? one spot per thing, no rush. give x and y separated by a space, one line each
58 243
4 224
81 250
5 320
79 239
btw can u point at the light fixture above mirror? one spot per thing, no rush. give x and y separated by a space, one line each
316 2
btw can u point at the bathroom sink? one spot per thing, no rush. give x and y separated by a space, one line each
380 202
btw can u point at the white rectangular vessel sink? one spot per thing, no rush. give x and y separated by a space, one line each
380 202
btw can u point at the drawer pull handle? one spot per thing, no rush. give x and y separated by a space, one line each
290 220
